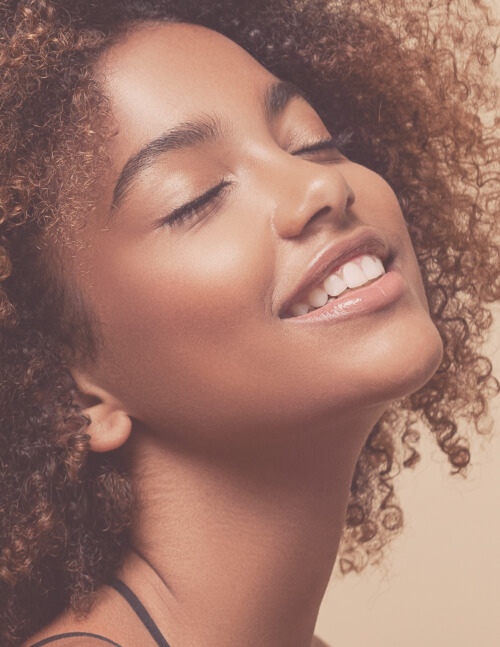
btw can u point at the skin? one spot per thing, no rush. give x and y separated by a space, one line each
240 429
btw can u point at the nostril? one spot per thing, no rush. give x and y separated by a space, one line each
351 196
321 212
320 192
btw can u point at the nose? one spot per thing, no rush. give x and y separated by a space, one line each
310 191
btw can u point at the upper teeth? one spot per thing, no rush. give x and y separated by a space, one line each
352 274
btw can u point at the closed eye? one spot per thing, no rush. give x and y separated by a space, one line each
337 142
194 207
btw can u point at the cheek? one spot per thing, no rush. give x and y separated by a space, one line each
170 311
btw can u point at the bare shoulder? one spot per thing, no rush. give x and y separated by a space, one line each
97 628
65 640
68 640
317 642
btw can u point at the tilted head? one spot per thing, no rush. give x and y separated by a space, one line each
168 181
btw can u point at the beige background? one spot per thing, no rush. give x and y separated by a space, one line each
440 586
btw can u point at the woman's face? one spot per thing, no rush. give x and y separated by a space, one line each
194 301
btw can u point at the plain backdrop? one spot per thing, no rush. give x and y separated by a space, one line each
440 584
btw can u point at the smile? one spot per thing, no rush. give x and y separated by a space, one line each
373 295
351 275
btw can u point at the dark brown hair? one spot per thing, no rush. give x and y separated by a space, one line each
412 84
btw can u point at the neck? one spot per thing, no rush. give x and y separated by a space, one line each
240 549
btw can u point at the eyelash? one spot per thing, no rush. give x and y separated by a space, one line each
198 206
213 197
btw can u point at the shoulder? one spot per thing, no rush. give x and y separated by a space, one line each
106 624
72 639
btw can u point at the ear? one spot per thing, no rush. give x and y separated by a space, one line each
110 425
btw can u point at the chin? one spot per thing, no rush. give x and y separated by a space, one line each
406 362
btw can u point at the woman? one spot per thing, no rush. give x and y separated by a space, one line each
244 249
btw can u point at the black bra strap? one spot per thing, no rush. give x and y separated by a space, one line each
140 610
73 634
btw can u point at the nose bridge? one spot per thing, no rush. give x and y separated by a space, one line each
307 189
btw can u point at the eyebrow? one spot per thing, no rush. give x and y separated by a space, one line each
194 133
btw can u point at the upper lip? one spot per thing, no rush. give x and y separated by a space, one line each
332 257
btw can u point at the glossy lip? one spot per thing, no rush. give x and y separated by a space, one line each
330 259
383 291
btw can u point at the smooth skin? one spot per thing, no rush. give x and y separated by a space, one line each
241 429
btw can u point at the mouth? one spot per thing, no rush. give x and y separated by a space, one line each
340 269
355 273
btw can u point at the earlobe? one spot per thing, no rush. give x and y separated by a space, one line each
109 429
110 425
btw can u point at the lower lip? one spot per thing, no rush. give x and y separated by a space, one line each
383 292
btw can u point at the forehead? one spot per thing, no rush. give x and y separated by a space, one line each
174 70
